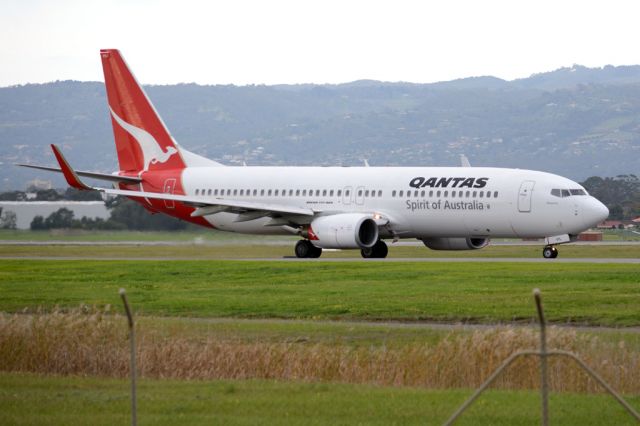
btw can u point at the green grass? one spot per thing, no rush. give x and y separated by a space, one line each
33 400
598 294
278 249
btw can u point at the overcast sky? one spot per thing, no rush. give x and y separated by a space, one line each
270 42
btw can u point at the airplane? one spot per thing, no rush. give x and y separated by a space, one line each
447 208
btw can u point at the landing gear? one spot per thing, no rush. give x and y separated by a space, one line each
378 251
549 252
304 249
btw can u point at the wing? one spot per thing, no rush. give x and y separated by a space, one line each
203 205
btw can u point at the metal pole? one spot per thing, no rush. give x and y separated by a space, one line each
544 388
132 334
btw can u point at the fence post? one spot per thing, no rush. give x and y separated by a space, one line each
132 339
544 387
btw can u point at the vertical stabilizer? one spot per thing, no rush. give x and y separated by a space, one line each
143 142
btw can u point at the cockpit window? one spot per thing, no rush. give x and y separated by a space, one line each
562 193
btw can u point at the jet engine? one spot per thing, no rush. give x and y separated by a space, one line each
455 243
346 230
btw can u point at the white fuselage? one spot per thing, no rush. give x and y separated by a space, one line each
419 202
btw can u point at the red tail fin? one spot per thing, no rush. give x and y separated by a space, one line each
142 141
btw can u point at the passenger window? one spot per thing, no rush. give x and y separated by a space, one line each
460 194
242 192
453 194
275 193
331 193
438 194
324 192
393 193
401 193
373 193
446 194
380 193
360 193
430 194
262 192
366 193
215 192
304 192
347 192
317 192
475 194
481 194
468 194
269 192
339 192
228 192
422 193
197 191
495 194
297 192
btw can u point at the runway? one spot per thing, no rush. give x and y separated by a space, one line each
341 260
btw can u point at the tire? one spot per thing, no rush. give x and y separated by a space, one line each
303 249
555 253
367 253
378 251
548 252
316 252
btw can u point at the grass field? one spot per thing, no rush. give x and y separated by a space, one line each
191 311
35 400
596 294
276 250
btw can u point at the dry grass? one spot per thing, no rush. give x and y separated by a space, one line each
95 343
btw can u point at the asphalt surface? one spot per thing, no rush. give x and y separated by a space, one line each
345 259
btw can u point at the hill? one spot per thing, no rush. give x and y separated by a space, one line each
576 121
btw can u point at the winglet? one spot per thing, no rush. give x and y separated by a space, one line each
72 178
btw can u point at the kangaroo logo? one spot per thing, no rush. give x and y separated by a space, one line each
151 150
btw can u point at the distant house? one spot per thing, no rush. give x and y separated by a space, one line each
611 224
26 210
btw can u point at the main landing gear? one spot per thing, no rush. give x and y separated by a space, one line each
549 252
304 249
378 251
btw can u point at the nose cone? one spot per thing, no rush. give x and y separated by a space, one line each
595 212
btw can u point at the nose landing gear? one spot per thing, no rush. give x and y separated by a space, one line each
549 252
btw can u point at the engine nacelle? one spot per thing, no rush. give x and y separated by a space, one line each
455 243
347 230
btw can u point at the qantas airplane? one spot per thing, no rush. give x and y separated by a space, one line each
447 208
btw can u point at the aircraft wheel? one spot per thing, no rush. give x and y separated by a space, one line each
549 252
303 249
367 253
316 252
378 251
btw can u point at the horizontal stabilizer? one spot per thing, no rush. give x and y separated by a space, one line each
92 175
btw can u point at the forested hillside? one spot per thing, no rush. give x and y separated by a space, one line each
577 122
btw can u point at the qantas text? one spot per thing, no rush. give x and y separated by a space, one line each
451 182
